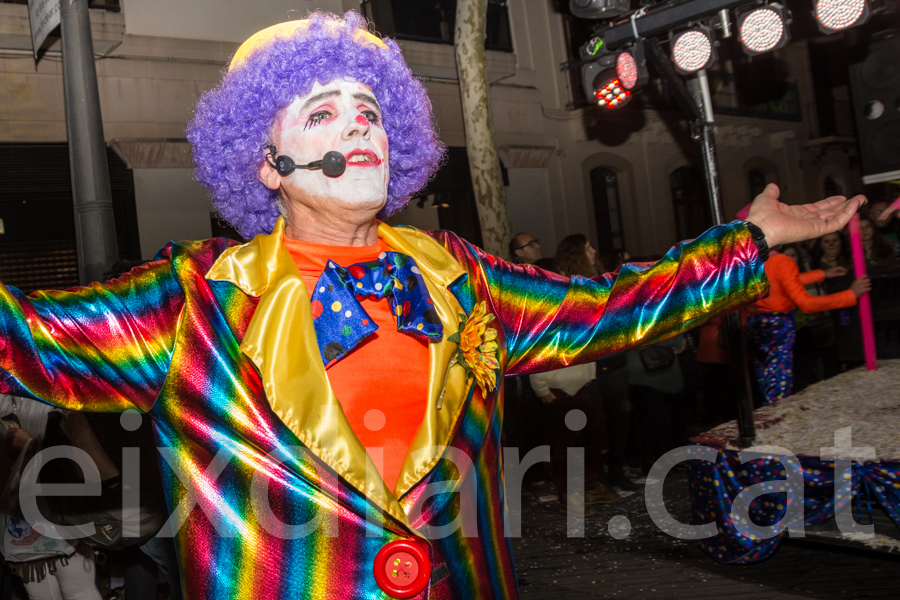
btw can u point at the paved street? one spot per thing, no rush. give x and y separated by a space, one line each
650 564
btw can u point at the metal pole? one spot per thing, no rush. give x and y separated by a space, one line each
95 228
706 134
698 108
705 97
733 330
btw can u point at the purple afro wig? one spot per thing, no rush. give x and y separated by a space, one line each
232 122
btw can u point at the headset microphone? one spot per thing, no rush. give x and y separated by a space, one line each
332 164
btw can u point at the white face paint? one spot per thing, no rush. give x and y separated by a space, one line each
344 116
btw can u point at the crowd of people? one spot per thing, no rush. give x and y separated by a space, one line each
647 401
38 557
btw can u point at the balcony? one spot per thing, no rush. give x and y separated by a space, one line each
435 22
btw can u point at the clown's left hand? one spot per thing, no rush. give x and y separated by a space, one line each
783 223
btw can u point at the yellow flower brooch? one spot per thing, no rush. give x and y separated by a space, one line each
477 352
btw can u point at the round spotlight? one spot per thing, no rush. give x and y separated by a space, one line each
627 70
835 15
692 50
611 93
761 30
631 66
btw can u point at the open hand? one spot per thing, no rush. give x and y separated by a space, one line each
783 223
835 272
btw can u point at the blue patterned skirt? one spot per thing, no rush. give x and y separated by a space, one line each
771 338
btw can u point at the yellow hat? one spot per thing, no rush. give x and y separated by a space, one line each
263 39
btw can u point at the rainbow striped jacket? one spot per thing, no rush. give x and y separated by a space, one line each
271 494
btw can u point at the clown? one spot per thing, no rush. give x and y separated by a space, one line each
327 397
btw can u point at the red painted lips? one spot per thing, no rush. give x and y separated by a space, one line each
362 158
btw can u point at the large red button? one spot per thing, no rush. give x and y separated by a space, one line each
402 569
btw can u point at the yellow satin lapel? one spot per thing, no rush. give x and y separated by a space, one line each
439 269
281 342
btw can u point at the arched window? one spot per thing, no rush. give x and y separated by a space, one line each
607 209
757 180
692 216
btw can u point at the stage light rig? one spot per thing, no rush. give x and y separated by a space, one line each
763 29
693 49
836 15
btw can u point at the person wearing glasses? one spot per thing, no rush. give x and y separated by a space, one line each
525 249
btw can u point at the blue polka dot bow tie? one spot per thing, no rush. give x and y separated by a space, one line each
339 319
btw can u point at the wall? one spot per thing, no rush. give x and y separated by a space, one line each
528 202
421 218
156 63
219 20
170 206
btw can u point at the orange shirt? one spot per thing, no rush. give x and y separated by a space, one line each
708 349
387 371
786 291
811 277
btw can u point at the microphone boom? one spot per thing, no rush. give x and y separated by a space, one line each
332 164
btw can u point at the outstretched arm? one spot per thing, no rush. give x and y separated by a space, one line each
550 321
99 348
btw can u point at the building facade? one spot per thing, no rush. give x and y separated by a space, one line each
629 178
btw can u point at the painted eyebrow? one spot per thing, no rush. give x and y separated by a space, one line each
366 98
319 98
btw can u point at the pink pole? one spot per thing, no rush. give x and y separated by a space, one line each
895 205
865 306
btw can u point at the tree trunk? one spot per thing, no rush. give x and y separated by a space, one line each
471 21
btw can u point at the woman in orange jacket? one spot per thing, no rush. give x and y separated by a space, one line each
770 331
